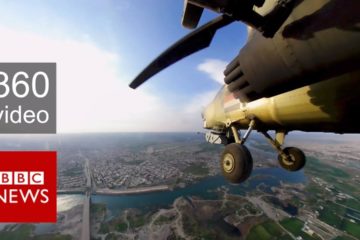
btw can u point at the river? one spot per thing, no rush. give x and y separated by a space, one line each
205 189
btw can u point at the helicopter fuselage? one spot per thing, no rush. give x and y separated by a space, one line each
332 105
298 70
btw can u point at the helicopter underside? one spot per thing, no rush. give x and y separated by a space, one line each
328 106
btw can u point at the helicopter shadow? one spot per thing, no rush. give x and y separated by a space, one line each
334 14
338 101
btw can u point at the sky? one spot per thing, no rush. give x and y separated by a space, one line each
101 45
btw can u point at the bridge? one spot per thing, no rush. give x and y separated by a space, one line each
85 232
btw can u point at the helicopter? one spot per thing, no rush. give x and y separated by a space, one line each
299 70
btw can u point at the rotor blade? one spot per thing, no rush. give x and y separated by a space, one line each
191 43
191 15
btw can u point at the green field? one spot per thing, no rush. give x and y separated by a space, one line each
351 228
335 215
331 214
343 238
267 230
334 175
121 227
326 171
294 226
16 232
352 203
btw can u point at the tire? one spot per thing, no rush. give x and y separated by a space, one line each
297 157
236 163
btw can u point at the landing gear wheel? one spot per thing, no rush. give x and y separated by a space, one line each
236 163
295 161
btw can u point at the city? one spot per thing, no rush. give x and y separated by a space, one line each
132 186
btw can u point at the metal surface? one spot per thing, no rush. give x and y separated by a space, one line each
216 138
248 131
319 40
306 77
228 163
327 106
236 135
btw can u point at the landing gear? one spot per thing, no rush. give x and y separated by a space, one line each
290 158
294 159
236 163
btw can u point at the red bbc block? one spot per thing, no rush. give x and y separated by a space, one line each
28 187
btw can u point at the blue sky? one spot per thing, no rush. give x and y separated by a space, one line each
136 30
133 33
122 37
101 45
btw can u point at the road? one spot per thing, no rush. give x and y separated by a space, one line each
85 232
273 213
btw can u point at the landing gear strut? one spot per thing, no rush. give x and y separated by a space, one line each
236 161
290 158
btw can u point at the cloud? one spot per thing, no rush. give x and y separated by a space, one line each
199 102
191 112
92 93
214 68
92 89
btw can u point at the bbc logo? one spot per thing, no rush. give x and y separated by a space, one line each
28 186
22 178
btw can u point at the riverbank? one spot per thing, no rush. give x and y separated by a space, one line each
129 191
